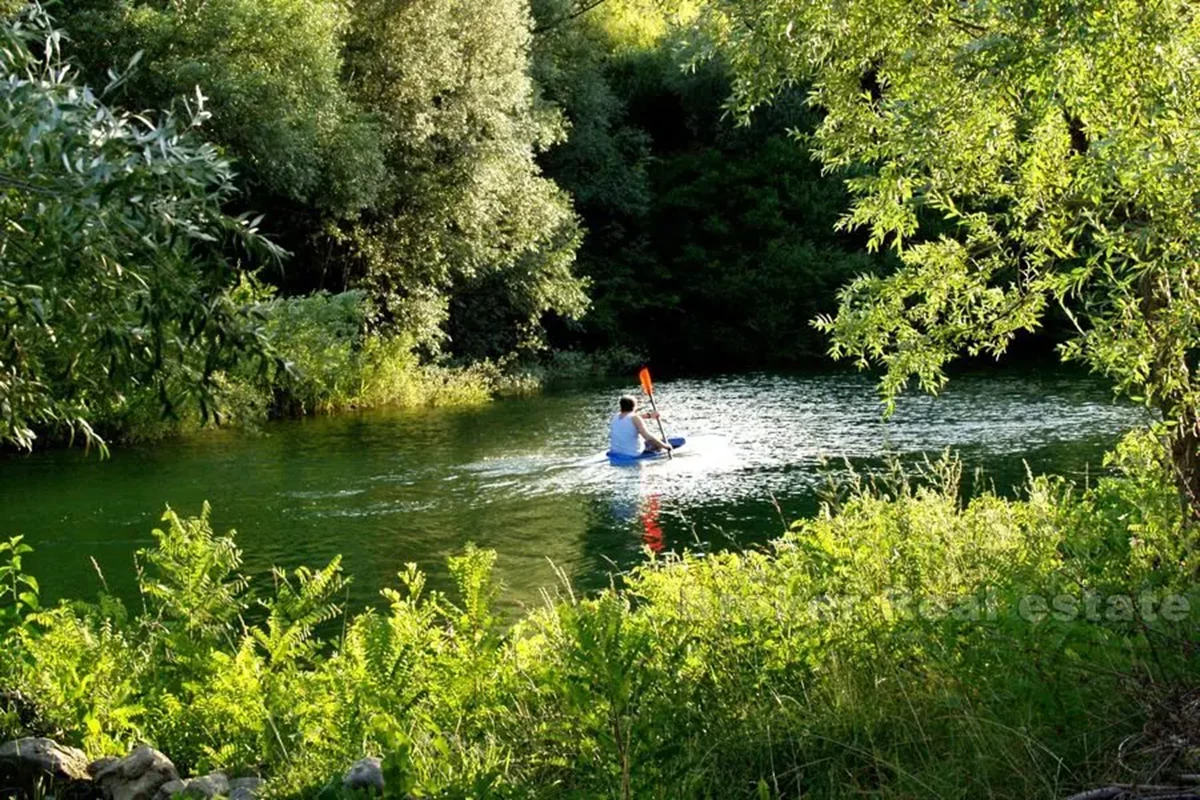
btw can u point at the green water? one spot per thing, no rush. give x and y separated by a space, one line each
527 477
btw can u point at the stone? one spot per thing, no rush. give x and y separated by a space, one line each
208 786
366 774
170 789
99 764
245 788
35 765
137 776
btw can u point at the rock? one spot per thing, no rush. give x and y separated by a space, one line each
245 788
99 764
365 775
137 776
35 765
251 783
170 789
208 786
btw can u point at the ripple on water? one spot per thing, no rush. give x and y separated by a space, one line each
373 510
323 495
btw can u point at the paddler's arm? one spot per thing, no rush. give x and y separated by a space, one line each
648 436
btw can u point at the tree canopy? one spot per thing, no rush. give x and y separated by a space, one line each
115 256
392 145
272 70
708 246
1053 147
465 203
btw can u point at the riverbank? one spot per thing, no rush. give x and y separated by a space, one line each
899 643
321 359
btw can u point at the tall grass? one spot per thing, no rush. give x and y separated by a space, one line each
887 647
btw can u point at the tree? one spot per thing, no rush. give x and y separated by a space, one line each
273 73
115 256
1057 140
465 204
393 142
709 246
604 160
272 70
747 252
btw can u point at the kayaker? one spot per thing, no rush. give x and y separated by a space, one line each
628 432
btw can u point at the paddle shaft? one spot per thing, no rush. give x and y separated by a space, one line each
661 430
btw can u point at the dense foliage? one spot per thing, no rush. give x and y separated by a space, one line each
1057 140
467 208
324 359
397 151
893 645
330 362
392 145
415 178
272 73
708 246
398 148
115 255
420 159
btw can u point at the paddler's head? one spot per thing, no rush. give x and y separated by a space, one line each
627 403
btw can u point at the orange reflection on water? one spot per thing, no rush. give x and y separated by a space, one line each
652 532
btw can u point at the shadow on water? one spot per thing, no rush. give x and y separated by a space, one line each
527 477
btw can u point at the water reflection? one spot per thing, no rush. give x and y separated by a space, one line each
652 532
636 506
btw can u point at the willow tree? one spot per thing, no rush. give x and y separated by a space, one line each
115 255
1056 145
465 211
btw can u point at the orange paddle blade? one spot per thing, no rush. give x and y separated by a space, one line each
647 384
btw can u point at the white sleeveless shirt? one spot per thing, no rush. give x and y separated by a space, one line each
623 437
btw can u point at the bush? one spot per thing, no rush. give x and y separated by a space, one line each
335 364
320 338
117 260
889 646
326 361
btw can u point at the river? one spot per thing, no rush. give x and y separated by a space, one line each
527 477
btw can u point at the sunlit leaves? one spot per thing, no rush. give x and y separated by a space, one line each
273 71
302 600
190 579
115 254
1058 142
465 204
19 590
898 601
393 143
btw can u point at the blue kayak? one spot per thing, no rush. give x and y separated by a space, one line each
646 455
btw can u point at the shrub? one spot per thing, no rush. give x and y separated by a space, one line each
326 361
320 338
117 260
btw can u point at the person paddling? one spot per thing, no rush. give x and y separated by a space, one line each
628 431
